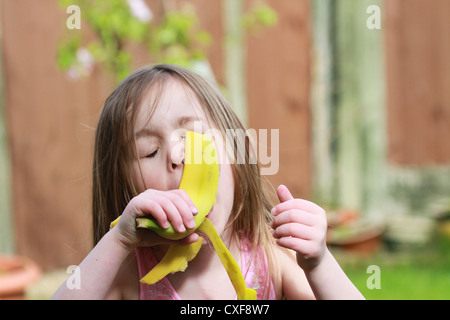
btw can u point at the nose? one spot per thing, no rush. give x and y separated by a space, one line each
176 158
175 165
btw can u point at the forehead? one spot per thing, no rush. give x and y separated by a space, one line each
167 102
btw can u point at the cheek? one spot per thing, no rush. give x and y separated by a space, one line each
225 198
148 179
226 180
137 177
226 184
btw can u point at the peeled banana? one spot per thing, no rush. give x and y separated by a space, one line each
199 180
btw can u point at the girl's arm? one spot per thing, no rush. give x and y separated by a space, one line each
301 226
98 270
329 282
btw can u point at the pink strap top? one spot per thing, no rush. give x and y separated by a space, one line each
163 290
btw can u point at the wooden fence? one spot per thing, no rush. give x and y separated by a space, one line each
51 119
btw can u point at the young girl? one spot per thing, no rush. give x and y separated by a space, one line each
280 249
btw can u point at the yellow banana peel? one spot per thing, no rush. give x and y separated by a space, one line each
199 180
234 273
175 260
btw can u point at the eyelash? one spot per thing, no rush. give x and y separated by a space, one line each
152 155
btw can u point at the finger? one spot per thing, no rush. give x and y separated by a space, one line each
300 204
183 209
193 237
172 213
293 215
296 244
284 194
151 207
183 194
295 230
150 238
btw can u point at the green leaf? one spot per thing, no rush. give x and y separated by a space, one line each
266 15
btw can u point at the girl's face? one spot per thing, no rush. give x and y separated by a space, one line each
158 147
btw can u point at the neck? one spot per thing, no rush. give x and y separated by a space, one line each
203 271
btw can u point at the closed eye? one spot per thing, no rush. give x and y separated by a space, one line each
152 155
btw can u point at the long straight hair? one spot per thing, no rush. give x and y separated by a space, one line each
113 185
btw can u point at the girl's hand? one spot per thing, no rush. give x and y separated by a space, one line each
300 225
173 206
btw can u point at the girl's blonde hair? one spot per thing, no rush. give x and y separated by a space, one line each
113 186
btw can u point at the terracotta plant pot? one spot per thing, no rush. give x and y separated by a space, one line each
363 243
16 273
357 235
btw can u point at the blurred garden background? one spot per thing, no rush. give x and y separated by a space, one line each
359 90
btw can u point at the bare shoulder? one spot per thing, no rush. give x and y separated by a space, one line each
294 284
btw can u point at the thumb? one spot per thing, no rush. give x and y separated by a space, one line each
284 194
150 238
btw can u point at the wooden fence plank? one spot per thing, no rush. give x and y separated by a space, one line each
51 145
418 81
278 91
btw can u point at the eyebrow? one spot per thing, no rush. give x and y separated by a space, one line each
146 131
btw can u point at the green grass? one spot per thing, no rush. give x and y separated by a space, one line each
413 274
405 283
